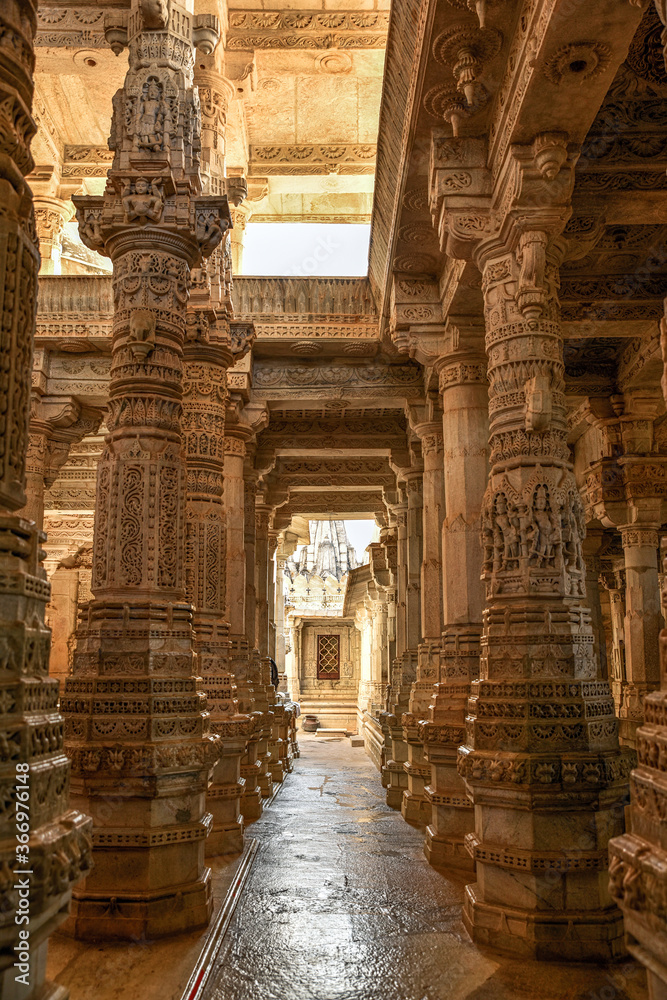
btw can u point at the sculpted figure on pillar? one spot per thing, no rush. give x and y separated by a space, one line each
43 844
541 746
135 644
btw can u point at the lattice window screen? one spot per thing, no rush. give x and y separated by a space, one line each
328 657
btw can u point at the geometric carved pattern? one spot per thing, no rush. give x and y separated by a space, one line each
328 657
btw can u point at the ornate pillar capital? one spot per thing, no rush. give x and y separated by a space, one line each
640 535
51 214
429 433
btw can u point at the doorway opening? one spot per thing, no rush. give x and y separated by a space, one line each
324 651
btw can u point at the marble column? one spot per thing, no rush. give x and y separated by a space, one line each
51 214
263 514
279 613
642 625
250 493
42 840
260 672
541 755
278 743
273 546
415 805
136 726
465 425
207 355
240 218
236 436
381 655
394 777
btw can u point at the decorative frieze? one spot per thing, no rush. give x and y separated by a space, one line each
307 29
267 161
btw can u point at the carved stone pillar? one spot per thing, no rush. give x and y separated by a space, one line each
42 841
235 438
279 612
273 546
215 94
643 621
250 492
639 857
240 217
51 214
281 761
380 656
415 805
263 514
394 776
541 753
137 728
413 626
592 546
626 492
465 422
614 584
207 355
259 669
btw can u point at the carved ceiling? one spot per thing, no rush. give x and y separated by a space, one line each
311 83
303 120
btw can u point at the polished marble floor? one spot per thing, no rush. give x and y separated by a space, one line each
340 904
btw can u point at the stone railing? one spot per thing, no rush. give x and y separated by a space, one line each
303 297
60 294
79 308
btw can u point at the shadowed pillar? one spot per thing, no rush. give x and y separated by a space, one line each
44 846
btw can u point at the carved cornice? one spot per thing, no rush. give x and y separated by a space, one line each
86 161
275 381
306 29
73 26
319 158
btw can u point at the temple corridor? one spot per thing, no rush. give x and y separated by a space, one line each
340 904
419 505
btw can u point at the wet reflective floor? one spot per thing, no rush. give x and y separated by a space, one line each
340 904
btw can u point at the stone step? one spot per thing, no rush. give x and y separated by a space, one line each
337 734
356 741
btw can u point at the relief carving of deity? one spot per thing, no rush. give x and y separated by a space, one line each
153 121
142 204
544 529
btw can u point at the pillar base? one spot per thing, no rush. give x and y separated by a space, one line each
443 852
394 796
226 838
265 782
251 805
141 916
566 936
415 808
